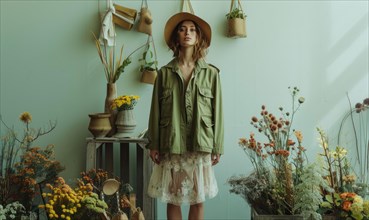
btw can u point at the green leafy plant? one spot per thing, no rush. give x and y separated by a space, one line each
148 59
236 13
307 193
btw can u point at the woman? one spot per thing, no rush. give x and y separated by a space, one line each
186 120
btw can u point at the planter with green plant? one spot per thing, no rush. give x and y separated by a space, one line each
149 63
236 19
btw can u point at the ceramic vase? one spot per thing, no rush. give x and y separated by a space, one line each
125 123
99 124
111 94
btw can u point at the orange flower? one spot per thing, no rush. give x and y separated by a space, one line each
346 205
290 142
343 195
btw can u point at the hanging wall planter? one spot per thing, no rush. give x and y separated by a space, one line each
149 63
236 21
145 21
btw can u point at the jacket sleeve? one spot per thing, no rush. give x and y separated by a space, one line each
218 117
154 118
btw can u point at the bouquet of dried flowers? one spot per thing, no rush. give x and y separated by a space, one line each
63 202
23 168
279 164
340 200
125 102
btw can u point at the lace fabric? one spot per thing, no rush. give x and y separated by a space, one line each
186 178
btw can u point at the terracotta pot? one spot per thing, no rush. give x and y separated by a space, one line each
99 124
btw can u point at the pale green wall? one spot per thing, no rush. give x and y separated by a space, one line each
49 67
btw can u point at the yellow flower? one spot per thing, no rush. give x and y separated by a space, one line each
366 207
358 199
356 208
299 136
26 117
125 102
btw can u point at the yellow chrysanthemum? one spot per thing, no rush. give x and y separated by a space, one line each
26 117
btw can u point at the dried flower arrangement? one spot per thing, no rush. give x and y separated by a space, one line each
275 187
25 169
63 202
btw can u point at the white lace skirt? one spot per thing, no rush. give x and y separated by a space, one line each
187 178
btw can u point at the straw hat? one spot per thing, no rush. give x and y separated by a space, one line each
184 16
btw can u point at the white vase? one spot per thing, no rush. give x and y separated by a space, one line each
125 123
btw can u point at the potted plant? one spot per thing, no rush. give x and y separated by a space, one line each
236 21
125 121
149 63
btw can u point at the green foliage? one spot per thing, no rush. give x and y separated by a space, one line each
148 61
121 68
308 195
236 13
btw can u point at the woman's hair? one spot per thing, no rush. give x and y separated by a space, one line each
200 49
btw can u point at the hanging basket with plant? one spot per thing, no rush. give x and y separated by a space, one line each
236 19
149 62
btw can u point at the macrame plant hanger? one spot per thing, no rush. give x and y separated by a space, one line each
187 7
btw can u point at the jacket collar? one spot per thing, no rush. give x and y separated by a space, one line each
200 64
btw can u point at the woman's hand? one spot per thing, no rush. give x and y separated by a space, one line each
215 159
154 155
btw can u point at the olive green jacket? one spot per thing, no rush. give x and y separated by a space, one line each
191 119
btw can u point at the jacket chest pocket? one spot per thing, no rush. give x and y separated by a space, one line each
166 101
205 98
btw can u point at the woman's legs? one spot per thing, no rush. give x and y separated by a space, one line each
196 212
174 212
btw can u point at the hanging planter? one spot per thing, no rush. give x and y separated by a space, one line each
145 21
149 62
236 19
